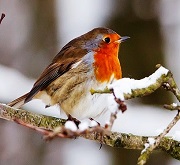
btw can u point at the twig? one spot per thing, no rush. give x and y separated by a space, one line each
169 85
145 154
172 107
2 17
121 106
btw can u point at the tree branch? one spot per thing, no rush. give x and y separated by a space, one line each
128 88
46 125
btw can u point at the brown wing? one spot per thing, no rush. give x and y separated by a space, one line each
62 63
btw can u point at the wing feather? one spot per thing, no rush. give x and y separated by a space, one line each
61 63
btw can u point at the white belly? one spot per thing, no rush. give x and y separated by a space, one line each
91 106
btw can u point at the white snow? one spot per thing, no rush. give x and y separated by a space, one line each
71 125
174 104
83 125
126 85
93 123
151 140
146 145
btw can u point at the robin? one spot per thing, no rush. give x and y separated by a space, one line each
86 62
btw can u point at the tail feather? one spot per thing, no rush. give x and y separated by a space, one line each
19 102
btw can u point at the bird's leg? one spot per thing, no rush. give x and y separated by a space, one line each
76 121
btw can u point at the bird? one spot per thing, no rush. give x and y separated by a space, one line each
87 62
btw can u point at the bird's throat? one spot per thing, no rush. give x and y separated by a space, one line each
107 64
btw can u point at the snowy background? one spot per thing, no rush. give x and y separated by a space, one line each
20 65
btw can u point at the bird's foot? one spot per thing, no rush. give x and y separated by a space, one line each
76 121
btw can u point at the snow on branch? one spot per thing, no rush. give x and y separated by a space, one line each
127 88
122 90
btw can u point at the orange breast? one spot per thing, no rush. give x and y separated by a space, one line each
106 63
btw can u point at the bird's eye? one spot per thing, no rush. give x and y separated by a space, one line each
107 40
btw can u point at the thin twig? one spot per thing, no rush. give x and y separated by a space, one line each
121 107
169 85
2 17
145 155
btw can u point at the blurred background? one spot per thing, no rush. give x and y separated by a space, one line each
33 32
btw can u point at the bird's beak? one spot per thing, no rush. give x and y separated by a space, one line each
124 38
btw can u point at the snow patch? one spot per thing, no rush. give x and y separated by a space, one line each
93 123
151 141
126 85
83 126
174 105
71 126
146 145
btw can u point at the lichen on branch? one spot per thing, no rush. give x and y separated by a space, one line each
47 124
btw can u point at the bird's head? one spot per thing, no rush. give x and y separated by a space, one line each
98 38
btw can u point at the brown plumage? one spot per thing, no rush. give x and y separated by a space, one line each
75 70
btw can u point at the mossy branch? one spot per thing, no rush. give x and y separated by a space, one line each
114 139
